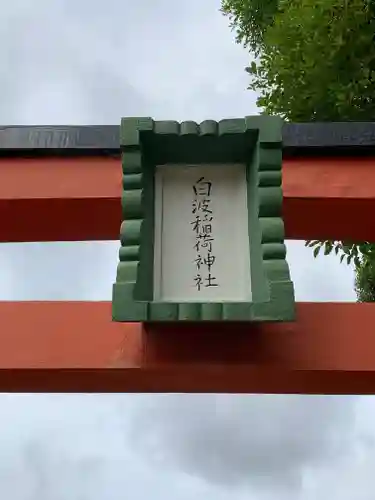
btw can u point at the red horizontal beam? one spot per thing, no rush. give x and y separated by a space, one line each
75 199
75 347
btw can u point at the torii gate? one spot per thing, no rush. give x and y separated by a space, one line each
64 184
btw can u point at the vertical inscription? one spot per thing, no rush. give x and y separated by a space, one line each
204 239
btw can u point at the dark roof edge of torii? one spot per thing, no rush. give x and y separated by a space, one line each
298 139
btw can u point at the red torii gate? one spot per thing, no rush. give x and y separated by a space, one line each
64 184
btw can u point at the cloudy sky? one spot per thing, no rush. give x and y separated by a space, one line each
91 62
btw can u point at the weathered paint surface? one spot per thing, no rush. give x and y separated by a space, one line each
79 198
75 347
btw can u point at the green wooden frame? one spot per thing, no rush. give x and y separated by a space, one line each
255 141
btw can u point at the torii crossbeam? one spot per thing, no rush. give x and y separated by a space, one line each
63 184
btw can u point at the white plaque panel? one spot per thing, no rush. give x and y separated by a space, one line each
201 234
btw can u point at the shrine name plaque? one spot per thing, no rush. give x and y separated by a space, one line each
201 234
202 237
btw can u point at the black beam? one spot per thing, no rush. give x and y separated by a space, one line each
298 139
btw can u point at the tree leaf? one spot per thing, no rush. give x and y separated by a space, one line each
316 251
313 243
328 246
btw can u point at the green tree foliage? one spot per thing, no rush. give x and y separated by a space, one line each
250 19
365 280
315 61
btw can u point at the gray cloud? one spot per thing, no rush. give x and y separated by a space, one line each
166 59
89 270
76 447
267 442
321 279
